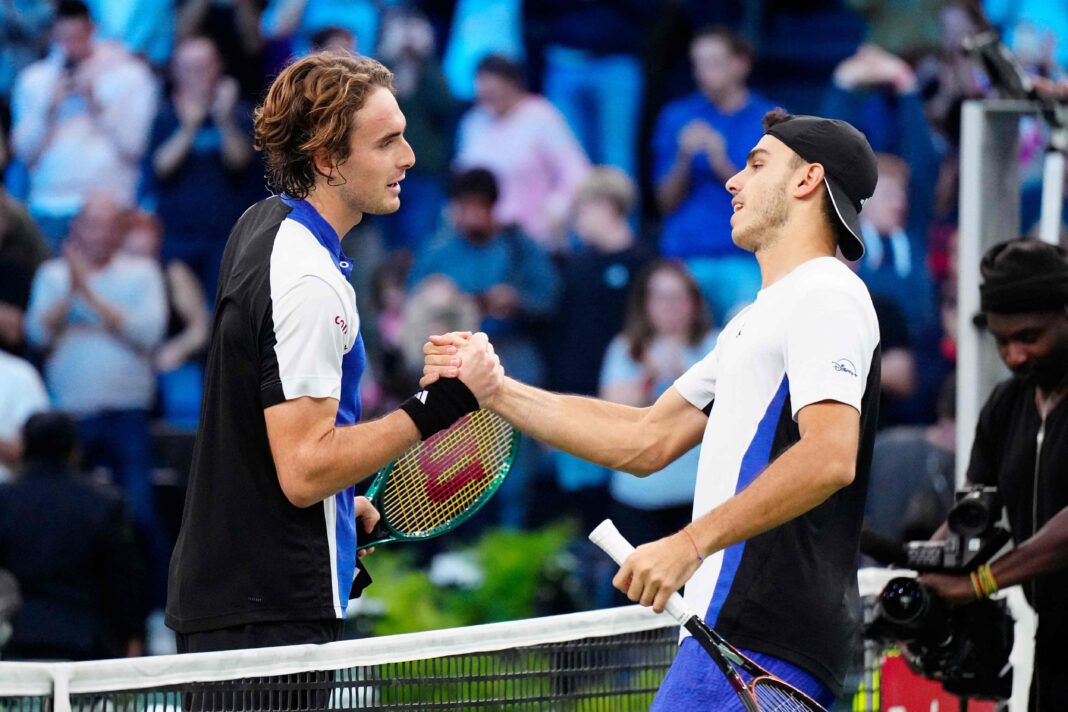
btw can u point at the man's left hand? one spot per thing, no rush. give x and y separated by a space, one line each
656 570
366 512
955 589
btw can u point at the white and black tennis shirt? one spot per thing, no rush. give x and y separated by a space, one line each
285 326
791 592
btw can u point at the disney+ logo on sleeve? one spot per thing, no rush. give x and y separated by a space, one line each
844 365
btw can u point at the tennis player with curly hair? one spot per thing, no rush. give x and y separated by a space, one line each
267 553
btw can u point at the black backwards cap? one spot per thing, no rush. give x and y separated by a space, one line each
1023 276
849 168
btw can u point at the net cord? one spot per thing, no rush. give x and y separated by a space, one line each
64 679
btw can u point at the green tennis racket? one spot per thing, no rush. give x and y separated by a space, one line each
439 483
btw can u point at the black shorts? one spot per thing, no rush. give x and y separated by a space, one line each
261 635
309 690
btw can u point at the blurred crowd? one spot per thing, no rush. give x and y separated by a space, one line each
567 199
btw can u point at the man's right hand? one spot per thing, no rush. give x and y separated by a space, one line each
441 356
470 357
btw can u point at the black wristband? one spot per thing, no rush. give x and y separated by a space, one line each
441 404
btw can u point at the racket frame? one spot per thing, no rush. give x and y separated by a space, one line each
383 532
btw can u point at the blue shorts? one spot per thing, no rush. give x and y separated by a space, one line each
694 682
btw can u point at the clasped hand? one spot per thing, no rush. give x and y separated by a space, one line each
469 357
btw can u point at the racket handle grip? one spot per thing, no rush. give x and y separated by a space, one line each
608 538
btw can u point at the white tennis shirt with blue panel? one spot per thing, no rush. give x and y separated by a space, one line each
811 336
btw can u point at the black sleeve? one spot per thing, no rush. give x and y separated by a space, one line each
984 462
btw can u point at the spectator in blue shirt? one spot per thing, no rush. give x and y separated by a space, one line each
699 142
200 159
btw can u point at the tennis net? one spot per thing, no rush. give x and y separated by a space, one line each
600 661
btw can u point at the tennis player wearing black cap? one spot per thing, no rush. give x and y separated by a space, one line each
1021 447
784 410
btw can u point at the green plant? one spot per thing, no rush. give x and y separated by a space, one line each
516 567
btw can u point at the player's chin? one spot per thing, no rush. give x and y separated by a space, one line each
386 206
740 238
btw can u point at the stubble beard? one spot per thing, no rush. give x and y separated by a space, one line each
385 205
765 231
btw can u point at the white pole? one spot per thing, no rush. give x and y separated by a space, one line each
969 249
1053 188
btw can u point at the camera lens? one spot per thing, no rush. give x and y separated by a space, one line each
971 517
915 613
904 602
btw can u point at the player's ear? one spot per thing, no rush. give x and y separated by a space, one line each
809 178
324 164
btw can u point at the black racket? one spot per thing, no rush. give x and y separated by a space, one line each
765 692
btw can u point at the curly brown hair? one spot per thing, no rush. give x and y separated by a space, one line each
309 108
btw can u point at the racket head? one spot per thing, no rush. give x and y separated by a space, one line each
772 693
438 484
764 692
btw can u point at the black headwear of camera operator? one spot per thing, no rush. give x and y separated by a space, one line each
1021 447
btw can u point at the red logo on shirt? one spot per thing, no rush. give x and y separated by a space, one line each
341 322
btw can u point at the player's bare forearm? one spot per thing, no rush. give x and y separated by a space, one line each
818 465
635 440
316 459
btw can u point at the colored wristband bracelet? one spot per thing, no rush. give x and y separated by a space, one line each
986 578
686 531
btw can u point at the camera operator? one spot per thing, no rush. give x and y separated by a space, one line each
1021 447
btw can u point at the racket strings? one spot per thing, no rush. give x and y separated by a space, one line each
776 696
431 485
